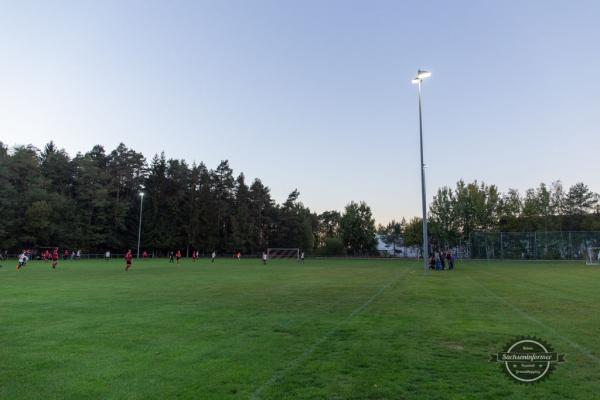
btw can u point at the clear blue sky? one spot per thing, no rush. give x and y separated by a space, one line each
315 95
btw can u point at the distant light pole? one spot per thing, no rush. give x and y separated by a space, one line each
140 225
421 75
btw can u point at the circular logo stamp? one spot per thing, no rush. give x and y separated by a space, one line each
528 359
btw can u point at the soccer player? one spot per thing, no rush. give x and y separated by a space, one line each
107 255
66 254
264 258
302 257
194 256
171 256
145 255
128 259
178 256
55 258
213 256
22 260
450 259
238 255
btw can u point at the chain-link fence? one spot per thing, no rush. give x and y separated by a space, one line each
563 245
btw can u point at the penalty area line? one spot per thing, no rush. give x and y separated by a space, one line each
583 350
312 348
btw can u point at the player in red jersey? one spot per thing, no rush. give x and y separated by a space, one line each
145 254
194 255
55 258
178 256
128 258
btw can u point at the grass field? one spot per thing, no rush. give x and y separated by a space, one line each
335 329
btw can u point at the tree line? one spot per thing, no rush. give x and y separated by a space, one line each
456 213
92 202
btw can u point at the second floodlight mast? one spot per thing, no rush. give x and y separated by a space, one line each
421 75
140 224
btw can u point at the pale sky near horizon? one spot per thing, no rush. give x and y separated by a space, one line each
315 95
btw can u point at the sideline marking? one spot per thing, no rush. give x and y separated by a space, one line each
585 351
311 349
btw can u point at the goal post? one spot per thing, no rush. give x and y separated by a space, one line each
293 253
593 256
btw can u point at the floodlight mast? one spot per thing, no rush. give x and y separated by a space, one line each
417 81
140 224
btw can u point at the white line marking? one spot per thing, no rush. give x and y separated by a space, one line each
585 351
311 349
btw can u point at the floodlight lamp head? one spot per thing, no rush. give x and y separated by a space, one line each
142 194
423 74
420 76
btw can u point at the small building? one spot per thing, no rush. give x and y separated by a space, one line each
395 249
385 249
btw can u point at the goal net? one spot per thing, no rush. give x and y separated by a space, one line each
283 253
593 256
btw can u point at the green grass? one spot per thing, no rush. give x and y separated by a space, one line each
335 329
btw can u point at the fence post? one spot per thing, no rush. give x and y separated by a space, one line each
570 247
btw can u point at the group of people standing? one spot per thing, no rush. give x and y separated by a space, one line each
439 259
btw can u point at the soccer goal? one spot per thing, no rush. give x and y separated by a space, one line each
593 256
283 253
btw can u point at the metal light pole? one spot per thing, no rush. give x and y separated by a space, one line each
140 225
417 81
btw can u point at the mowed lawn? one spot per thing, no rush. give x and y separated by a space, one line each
326 329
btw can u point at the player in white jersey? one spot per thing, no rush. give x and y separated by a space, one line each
22 261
